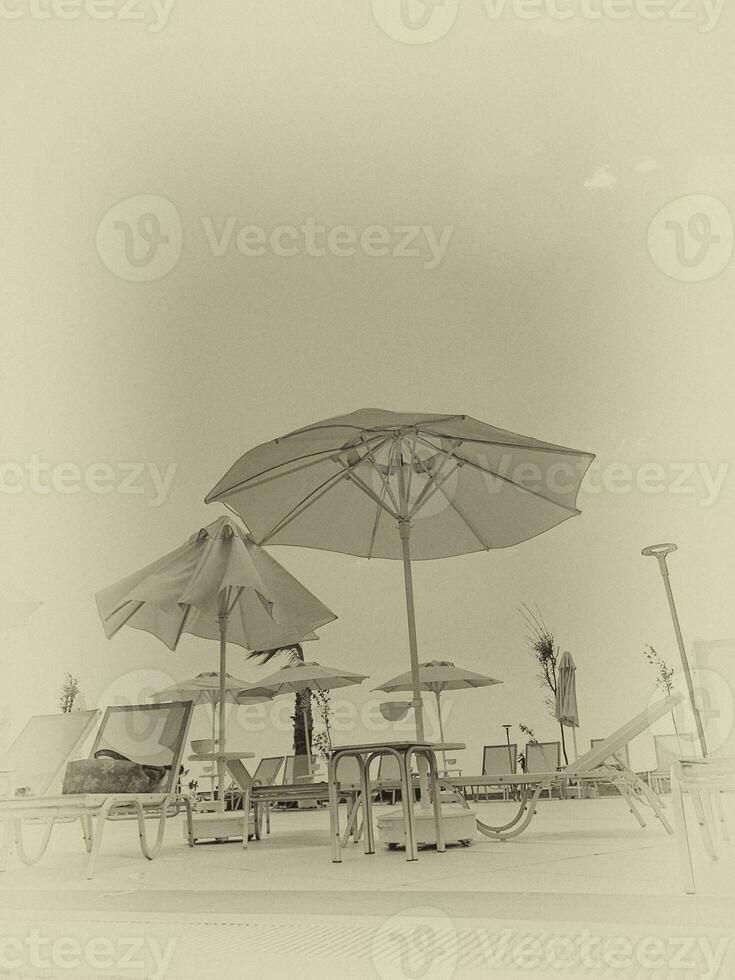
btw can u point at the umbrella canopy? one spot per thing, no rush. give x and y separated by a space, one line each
566 692
438 676
218 584
566 695
293 678
297 677
448 484
203 689
218 570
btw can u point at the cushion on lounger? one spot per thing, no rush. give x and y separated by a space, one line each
110 772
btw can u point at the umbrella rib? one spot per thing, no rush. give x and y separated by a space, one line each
454 507
433 487
361 428
476 466
136 607
250 481
561 450
385 480
381 509
420 499
182 624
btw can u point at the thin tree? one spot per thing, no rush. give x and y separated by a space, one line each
545 651
69 693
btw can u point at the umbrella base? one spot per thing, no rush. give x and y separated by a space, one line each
459 825
220 826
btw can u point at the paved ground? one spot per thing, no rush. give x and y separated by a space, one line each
584 892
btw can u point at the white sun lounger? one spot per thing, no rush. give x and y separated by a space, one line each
601 764
153 734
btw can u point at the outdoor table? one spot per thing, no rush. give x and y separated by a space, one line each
403 752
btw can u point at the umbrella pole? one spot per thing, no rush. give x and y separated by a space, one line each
404 528
441 729
212 776
307 742
574 742
222 617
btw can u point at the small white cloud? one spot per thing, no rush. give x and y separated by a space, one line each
601 179
645 166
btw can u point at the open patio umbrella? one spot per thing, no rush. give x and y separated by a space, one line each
218 585
403 485
438 676
297 677
566 696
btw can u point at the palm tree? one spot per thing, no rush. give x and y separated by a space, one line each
302 717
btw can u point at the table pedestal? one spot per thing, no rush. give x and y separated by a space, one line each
458 825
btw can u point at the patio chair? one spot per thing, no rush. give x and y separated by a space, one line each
669 749
704 780
542 757
500 759
152 735
264 796
594 765
265 775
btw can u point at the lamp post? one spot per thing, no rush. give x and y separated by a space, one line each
510 754
659 552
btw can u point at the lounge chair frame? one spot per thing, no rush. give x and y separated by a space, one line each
594 766
94 809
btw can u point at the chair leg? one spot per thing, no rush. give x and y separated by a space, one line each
704 826
86 831
148 851
97 837
246 818
268 818
682 837
21 851
721 816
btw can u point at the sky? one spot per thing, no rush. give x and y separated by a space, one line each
225 221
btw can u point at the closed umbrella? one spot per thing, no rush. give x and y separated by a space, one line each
438 676
297 677
218 584
403 485
566 696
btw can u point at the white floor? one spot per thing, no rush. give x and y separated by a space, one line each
584 892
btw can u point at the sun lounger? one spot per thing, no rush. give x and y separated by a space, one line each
36 760
38 756
704 780
149 734
598 765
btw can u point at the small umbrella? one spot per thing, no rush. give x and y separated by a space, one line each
438 676
204 689
566 696
297 677
218 584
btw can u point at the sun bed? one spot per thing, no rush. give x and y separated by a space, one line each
598 765
149 734
38 757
